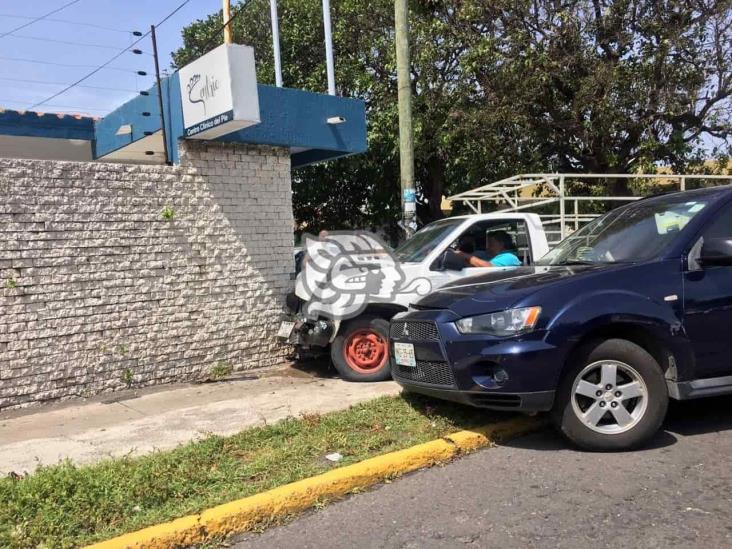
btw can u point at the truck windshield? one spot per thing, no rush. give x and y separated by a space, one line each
425 240
638 232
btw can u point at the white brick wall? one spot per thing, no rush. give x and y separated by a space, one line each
99 291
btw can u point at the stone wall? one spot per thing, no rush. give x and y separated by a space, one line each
118 275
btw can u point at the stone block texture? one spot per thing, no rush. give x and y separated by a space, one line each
119 275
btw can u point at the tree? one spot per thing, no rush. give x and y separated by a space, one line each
612 86
501 87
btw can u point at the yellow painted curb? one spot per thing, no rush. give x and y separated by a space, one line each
241 515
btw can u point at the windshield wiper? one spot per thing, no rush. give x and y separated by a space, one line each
569 262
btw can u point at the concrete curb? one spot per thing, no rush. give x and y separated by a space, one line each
241 515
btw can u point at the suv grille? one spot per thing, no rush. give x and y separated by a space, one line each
434 373
414 331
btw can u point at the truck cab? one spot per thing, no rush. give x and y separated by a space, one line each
358 344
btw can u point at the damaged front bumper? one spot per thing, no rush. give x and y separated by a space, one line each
297 329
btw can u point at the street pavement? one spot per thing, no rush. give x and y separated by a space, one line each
136 422
539 492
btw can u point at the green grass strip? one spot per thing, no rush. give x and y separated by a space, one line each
66 505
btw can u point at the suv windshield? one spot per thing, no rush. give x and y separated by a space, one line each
635 233
425 240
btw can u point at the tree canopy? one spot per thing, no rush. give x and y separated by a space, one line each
500 87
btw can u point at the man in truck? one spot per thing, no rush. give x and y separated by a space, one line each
500 247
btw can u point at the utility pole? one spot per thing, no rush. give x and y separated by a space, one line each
227 25
329 48
406 138
160 95
276 42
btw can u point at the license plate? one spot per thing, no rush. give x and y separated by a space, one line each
404 354
285 329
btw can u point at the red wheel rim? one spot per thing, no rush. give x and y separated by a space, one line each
365 351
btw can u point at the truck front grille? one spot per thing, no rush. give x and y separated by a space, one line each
414 331
431 372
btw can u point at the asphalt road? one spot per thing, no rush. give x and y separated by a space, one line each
537 491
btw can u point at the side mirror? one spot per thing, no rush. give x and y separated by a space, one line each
452 261
716 252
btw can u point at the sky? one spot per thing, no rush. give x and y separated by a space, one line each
22 84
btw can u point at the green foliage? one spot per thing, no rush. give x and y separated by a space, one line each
11 283
65 506
501 87
220 370
127 377
168 213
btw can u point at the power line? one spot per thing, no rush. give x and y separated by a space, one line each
70 42
45 82
29 23
76 108
108 62
39 62
171 14
68 22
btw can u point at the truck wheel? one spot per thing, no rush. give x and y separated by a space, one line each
614 397
360 351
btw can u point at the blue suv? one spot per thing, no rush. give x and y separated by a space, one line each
629 311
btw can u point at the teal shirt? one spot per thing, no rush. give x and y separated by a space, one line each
505 259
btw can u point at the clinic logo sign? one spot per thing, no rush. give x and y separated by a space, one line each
201 90
219 93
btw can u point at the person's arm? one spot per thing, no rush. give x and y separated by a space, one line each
474 261
478 262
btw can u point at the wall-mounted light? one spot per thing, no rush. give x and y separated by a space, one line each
125 129
333 120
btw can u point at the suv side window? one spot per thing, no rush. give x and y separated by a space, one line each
721 227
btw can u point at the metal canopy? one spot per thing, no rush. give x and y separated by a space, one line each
546 194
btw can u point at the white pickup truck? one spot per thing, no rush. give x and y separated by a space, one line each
359 344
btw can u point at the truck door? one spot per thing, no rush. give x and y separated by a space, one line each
708 305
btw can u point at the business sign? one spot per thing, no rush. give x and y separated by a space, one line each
219 92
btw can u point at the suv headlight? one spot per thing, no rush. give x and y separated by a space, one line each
503 323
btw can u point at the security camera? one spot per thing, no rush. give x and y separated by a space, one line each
336 120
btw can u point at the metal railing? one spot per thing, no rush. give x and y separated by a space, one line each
563 212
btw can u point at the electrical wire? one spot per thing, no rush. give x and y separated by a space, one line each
171 14
71 43
47 83
108 62
36 19
75 108
68 22
52 63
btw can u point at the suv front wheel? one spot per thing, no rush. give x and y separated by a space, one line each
614 397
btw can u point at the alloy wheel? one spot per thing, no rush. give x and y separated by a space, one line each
609 397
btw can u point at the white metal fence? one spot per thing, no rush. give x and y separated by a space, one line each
563 212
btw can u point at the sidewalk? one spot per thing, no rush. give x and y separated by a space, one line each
137 422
